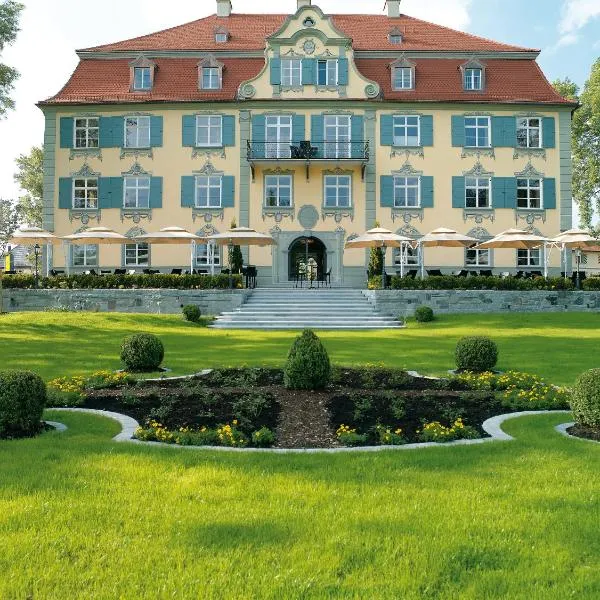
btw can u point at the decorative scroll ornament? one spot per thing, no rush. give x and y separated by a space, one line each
136 170
478 170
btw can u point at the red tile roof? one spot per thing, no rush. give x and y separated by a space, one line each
368 32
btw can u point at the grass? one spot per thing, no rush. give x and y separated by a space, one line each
83 517
555 346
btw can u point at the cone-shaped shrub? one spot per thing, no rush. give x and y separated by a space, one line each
307 366
585 400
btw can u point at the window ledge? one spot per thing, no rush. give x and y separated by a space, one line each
530 215
529 152
407 151
479 214
209 151
337 212
85 153
137 152
136 214
478 151
85 215
208 214
407 214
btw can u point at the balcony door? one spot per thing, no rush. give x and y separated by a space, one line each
278 136
337 136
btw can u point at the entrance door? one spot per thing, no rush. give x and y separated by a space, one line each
278 136
300 252
337 136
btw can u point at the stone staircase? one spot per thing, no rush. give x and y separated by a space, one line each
281 308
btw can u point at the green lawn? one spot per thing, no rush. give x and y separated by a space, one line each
83 517
556 346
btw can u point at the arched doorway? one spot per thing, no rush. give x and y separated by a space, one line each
304 248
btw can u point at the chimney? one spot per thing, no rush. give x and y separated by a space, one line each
393 7
224 8
303 3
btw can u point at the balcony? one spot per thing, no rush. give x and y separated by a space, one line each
355 152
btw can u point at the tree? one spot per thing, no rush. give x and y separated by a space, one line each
31 179
10 11
236 260
375 260
10 217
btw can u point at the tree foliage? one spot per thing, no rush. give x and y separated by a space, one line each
10 12
30 177
10 217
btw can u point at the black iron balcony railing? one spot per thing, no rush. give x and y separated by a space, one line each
352 150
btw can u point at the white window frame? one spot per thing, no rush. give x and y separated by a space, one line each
141 126
395 38
138 250
146 78
87 259
203 256
472 76
397 141
529 129
90 142
291 72
208 182
404 82
407 256
214 123
478 126
281 148
478 187
214 79
530 261
335 181
529 188
221 37
401 187
329 71
90 184
136 185
279 182
338 147
479 253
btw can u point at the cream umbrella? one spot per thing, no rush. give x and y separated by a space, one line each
172 235
380 238
36 237
444 238
574 239
93 236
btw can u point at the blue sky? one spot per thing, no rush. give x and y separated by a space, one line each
568 32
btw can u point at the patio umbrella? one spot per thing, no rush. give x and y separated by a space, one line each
93 236
444 238
380 238
574 239
36 237
172 235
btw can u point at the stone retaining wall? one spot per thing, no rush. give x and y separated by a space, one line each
211 302
404 302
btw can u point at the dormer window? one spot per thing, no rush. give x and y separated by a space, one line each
221 35
403 74
210 74
142 74
395 36
473 74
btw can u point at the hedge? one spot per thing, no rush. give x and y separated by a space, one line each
452 282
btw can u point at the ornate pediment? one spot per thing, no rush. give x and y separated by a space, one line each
402 61
208 169
136 171
478 171
409 231
480 233
142 62
530 172
407 170
210 61
85 171
135 232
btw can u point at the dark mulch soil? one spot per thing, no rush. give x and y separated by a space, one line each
588 433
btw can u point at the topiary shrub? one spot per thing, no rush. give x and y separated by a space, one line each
142 352
22 402
191 313
476 354
307 366
424 314
585 400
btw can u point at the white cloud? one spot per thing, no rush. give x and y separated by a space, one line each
51 31
576 14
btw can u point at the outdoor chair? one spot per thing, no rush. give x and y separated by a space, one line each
324 278
474 273
55 273
412 274
250 275
224 271
107 272
299 278
296 152
463 273
534 274
176 271
91 272
504 274
122 271
520 275
487 273
434 273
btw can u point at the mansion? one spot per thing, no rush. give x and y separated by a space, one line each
311 127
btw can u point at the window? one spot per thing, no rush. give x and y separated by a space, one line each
85 194
137 255
137 132
291 72
211 78
478 192
278 191
136 192
84 256
406 131
208 191
207 255
87 132
142 78
208 131
477 258
407 192
403 78
529 193
278 136
221 38
477 132
473 79
529 258
327 72
407 256
395 38
337 136
338 191
529 133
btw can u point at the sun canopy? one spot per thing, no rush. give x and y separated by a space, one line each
378 238
446 238
98 235
576 239
169 235
30 236
242 236
516 239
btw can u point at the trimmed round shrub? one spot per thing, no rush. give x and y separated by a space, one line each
424 314
22 402
476 354
307 366
142 352
585 400
191 313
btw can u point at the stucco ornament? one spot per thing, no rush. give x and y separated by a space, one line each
308 216
309 46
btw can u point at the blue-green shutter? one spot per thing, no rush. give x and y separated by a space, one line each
317 133
510 132
105 195
105 136
309 71
188 125
228 191
156 192
458 192
118 132
67 126
357 135
386 195
458 132
65 192
498 192
275 71
427 130
427 191
258 135
228 130
510 192
548 132
504 132
156 132
298 129
188 191
387 130
549 193
116 191
342 71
